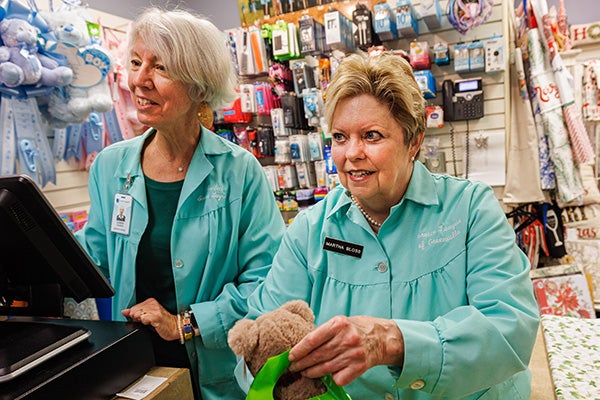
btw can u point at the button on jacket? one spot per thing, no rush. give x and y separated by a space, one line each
444 266
226 229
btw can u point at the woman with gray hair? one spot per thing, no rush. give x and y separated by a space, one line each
182 222
418 287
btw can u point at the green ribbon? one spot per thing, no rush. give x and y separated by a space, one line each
264 382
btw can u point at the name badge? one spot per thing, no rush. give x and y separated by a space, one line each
121 215
339 246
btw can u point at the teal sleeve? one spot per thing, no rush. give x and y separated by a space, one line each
491 338
289 277
260 230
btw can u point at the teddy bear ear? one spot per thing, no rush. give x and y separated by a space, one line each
243 337
301 308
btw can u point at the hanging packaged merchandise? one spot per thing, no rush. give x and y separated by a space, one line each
419 55
385 22
304 76
461 57
306 174
364 35
494 54
247 98
234 114
299 148
277 121
320 173
434 157
259 51
313 106
282 79
465 15
330 167
315 145
265 101
406 19
431 12
426 82
293 111
312 36
253 142
266 142
285 41
339 32
242 139
282 151
441 55
287 176
271 173
476 56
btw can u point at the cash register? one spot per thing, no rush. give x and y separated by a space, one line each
42 354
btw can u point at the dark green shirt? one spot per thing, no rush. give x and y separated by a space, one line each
154 274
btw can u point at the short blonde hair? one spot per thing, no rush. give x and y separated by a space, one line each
387 77
192 49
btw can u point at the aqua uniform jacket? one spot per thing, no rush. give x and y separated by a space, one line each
226 230
444 266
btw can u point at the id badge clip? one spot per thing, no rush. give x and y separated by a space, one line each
121 214
264 382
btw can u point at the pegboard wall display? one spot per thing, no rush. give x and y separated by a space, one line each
458 49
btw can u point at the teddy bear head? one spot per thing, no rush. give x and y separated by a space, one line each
272 334
16 32
70 27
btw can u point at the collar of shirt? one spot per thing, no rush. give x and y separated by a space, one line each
421 189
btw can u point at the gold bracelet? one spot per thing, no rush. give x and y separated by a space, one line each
180 330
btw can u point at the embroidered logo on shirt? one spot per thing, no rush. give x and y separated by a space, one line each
216 192
443 234
339 246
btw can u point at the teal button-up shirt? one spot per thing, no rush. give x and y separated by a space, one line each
444 266
226 230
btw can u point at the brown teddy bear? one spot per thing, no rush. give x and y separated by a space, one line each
271 334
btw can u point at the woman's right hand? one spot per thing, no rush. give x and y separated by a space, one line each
348 346
150 312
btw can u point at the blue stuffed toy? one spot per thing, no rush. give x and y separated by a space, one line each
21 63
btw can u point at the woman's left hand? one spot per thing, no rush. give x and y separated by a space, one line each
348 346
151 312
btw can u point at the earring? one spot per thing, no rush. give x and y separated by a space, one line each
412 159
205 115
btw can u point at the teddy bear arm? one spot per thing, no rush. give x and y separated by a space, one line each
4 54
47 62
60 76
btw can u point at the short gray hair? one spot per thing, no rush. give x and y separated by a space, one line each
193 51
387 77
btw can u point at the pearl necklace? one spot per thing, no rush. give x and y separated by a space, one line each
367 216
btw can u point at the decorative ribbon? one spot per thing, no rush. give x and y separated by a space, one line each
7 144
74 149
59 143
24 123
112 129
93 130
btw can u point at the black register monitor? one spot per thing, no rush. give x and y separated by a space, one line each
41 262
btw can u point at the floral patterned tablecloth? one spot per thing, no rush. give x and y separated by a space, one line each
573 347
